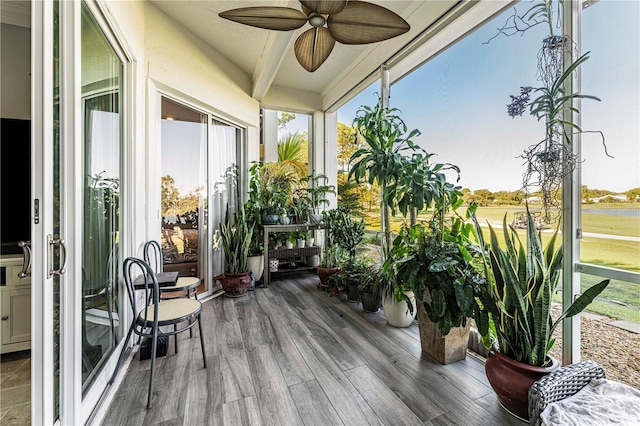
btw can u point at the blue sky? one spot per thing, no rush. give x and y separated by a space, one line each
458 101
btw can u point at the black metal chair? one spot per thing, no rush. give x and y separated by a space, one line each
153 256
156 313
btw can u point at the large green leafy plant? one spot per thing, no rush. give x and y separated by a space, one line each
520 282
440 261
347 232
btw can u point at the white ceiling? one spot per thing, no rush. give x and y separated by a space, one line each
267 56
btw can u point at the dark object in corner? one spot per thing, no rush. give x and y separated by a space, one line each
145 347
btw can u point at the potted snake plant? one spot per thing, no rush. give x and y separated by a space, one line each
516 299
235 237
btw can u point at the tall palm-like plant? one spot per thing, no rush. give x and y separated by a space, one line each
383 158
291 155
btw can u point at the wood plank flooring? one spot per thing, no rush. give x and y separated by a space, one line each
293 355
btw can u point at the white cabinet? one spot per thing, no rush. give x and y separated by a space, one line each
15 306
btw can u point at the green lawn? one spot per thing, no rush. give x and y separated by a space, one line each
621 300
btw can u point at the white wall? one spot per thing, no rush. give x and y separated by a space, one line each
15 79
170 60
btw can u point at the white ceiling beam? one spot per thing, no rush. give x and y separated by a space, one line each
278 42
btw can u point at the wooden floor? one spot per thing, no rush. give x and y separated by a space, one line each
293 355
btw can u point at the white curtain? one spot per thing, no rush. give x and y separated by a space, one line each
224 147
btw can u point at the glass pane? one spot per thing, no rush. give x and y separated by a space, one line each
184 181
56 205
293 133
458 101
101 90
610 211
364 198
611 186
609 330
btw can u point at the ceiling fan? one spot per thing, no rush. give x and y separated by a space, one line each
348 22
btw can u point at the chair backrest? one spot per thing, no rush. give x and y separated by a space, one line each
153 255
134 268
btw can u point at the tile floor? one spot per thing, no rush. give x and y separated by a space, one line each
15 388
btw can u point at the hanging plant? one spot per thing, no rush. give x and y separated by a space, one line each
550 160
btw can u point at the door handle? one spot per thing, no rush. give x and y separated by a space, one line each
26 262
51 243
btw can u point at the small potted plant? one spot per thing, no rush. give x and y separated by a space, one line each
273 187
370 288
316 195
300 207
290 239
328 264
252 213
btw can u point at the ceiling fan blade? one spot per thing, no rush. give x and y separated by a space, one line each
361 23
324 7
313 47
267 17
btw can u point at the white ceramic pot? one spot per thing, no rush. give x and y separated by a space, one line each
273 265
313 260
315 218
301 243
256 264
397 313
309 242
289 245
284 220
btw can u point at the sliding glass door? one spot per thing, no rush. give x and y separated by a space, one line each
183 189
198 157
102 118
77 144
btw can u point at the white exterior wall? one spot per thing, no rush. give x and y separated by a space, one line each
170 60
270 134
324 146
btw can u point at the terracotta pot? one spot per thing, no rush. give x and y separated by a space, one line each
511 381
236 285
325 273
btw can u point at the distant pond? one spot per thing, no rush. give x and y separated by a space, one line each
614 212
